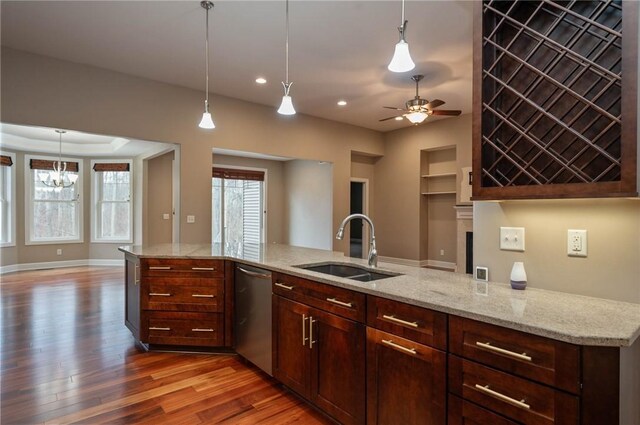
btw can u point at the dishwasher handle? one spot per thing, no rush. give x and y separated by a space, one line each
254 274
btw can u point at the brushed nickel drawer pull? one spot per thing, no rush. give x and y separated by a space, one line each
342 303
402 322
520 403
159 267
282 285
202 330
154 328
136 279
203 296
156 294
204 269
311 341
488 346
399 347
304 330
254 274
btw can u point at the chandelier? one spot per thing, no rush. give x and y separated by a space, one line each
58 177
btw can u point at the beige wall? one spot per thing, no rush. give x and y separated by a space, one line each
397 188
612 268
274 191
38 90
159 200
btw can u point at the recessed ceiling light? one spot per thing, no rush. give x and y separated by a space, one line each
261 80
398 118
342 102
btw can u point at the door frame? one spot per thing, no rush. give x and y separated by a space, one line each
365 210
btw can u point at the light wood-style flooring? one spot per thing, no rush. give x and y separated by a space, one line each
68 358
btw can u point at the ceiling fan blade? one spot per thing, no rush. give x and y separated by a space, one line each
450 113
390 118
393 107
434 103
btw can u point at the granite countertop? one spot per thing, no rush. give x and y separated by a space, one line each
566 317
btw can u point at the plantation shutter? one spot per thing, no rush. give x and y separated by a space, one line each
252 217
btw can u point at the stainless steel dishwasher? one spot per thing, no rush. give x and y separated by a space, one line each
253 315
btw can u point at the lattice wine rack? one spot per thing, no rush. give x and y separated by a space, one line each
555 99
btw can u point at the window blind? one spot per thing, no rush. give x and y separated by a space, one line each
45 164
6 160
230 173
114 166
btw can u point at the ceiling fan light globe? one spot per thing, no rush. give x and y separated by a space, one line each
401 61
206 121
286 107
417 117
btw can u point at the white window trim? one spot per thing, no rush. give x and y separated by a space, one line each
12 194
28 206
94 209
265 186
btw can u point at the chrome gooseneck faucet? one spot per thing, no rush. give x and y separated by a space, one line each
373 252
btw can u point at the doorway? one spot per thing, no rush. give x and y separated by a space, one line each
359 234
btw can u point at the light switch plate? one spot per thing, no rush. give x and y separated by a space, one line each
576 243
165 216
512 239
191 219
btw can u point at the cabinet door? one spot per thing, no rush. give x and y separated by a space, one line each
406 381
132 295
338 366
291 354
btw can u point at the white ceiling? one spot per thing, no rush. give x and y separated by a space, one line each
338 49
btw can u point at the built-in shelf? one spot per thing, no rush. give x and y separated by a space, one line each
452 192
429 176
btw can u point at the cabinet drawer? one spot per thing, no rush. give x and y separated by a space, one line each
339 301
418 324
184 294
516 398
182 267
199 329
544 360
463 412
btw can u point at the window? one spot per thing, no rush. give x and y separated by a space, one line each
238 213
7 199
54 215
111 216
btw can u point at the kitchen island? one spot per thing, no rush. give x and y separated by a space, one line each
560 351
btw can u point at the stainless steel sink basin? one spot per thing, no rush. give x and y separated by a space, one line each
348 271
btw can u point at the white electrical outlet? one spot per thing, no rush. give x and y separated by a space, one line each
58 251
512 238
442 252
576 243
165 216
191 219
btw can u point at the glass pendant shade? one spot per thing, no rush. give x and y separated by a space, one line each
286 107
401 61
72 178
417 117
206 121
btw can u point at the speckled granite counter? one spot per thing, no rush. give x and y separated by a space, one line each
565 317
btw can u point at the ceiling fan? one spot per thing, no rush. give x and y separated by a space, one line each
417 109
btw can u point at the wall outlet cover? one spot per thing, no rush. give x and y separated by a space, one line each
482 273
512 239
576 243
191 219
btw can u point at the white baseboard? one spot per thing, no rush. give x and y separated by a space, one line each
400 261
59 264
441 264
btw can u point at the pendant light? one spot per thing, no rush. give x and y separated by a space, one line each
58 177
401 61
206 121
286 107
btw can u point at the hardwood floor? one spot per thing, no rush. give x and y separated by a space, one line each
68 358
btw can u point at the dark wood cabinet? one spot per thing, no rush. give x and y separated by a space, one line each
132 294
319 354
555 99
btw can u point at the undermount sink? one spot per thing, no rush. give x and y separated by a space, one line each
348 271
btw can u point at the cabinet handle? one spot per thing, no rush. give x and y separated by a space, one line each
402 322
155 294
254 274
136 280
159 268
153 328
399 347
520 403
333 300
488 346
203 296
282 285
202 330
304 329
204 269
311 341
